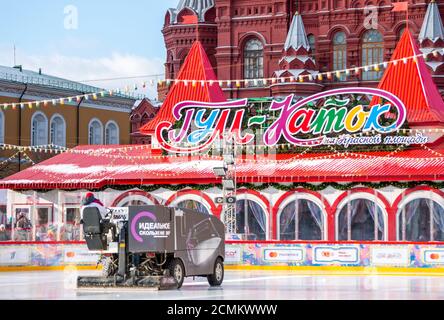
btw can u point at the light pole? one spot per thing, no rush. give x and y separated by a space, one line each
229 186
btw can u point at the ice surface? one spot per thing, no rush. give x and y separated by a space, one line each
239 285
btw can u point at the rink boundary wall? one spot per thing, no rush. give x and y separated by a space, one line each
324 257
339 270
326 271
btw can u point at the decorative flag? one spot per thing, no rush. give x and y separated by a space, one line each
400 6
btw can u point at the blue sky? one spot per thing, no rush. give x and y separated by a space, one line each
113 38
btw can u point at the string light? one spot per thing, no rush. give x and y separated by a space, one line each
308 77
45 149
9 159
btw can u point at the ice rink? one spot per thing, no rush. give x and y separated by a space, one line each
238 285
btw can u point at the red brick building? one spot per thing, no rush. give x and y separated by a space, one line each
143 111
258 39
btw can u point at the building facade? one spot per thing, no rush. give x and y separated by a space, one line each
143 111
55 124
247 39
329 208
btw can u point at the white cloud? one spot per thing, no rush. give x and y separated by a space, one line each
117 65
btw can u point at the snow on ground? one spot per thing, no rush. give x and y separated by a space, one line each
238 285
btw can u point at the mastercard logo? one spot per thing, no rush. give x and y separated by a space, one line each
273 254
70 254
435 256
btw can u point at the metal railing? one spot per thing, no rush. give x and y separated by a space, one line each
61 84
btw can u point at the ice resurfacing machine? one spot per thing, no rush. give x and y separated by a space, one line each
157 246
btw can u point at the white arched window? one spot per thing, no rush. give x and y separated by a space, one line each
58 131
372 53
39 129
135 200
253 59
192 202
251 220
312 42
360 219
340 53
301 219
422 219
111 133
2 127
193 205
95 132
400 33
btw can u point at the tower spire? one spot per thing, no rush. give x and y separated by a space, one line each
432 28
297 37
431 38
296 62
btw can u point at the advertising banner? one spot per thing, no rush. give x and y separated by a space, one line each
433 256
284 255
15 256
294 122
79 255
47 255
390 256
150 229
336 254
248 254
233 254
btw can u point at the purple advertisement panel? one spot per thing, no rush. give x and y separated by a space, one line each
150 229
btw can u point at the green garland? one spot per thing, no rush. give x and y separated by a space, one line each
260 187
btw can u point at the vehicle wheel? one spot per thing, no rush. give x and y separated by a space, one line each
177 271
217 277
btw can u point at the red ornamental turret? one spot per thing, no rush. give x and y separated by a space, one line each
410 80
189 87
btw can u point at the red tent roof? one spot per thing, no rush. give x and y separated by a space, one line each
196 67
413 84
93 167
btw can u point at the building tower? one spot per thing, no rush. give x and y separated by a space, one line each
431 38
297 67
192 20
